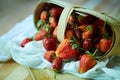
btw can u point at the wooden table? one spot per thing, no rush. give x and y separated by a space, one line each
13 71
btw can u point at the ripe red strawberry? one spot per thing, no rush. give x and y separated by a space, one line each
25 41
65 51
99 22
54 34
105 44
87 19
50 43
78 33
87 34
83 27
40 35
53 22
70 19
69 33
86 62
44 15
87 44
79 56
56 11
57 64
49 55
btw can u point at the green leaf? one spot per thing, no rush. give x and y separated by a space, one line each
74 46
74 43
41 23
73 39
47 27
89 27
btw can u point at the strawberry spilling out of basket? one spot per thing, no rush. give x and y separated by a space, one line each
86 37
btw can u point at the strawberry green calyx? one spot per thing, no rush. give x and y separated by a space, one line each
74 43
41 23
92 54
75 46
53 56
47 27
89 27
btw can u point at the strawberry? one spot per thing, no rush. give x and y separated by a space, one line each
49 55
69 34
44 15
54 34
97 46
56 11
70 20
79 56
83 27
87 19
104 44
87 44
53 22
79 18
25 41
99 22
78 33
57 64
88 33
49 43
65 51
86 62
40 35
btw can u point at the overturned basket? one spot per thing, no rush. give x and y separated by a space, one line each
68 9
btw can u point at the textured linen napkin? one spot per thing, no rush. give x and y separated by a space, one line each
32 54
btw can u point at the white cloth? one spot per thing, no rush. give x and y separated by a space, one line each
32 54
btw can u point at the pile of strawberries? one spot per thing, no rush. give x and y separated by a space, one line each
85 38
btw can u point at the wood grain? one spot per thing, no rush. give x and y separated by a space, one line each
48 74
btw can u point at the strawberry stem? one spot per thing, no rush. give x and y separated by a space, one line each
105 34
105 24
95 52
89 53
53 56
55 74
